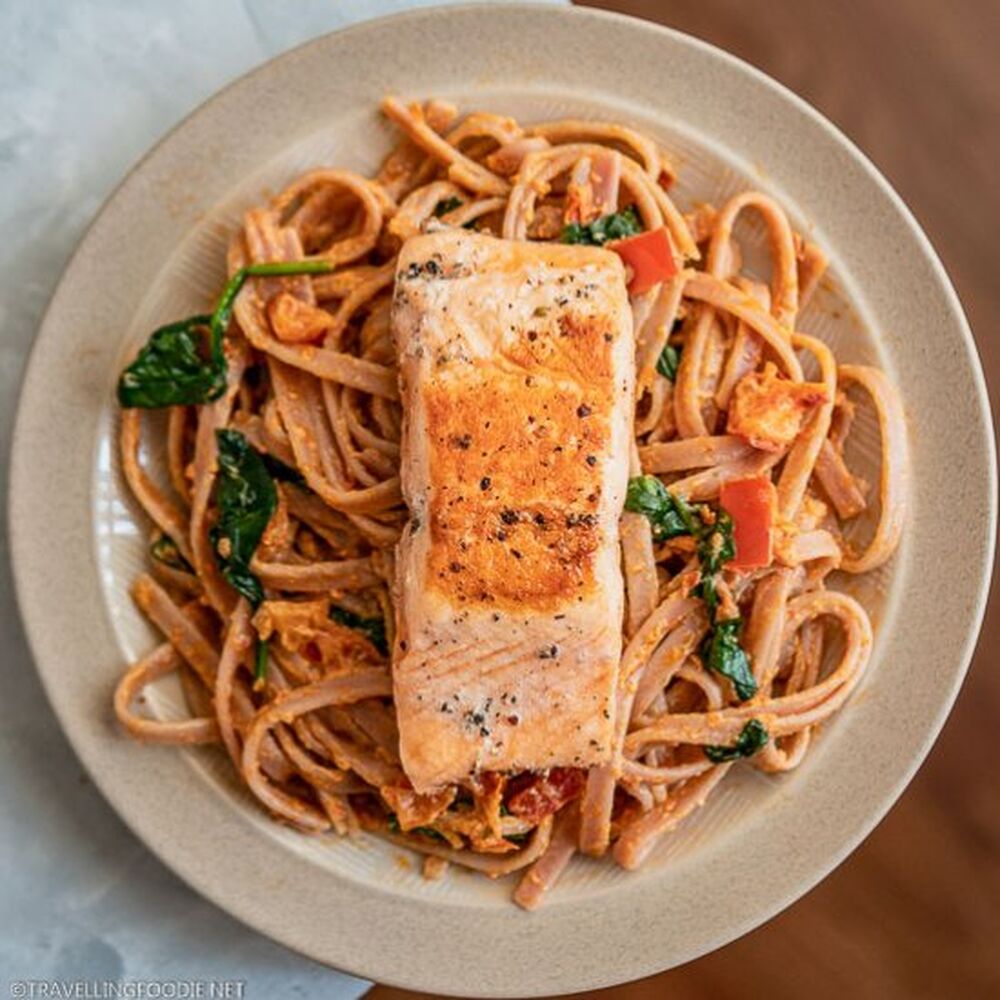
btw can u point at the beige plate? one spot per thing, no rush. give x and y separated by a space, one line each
155 252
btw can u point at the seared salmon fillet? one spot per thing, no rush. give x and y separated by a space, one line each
517 380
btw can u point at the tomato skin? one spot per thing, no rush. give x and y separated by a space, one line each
751 504
650 256
532 797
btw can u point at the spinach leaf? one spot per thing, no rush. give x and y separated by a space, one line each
615 226
246 499
280 471
715 547
721 651
164 549
177 367
753 737
447 205
667 362
172 369
373 629
669 515
260 665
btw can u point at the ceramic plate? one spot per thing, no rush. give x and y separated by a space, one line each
155 252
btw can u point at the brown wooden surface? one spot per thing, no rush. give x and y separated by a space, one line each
915 912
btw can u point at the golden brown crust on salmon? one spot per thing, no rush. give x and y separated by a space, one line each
515 510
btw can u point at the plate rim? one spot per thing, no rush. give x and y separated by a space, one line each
21 456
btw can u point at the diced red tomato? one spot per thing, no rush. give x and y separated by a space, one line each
751 504
534 796
649 256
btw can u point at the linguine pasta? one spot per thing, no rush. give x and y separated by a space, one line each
282 645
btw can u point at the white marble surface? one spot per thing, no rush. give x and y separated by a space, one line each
85 88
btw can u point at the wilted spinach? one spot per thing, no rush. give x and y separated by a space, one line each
670 515
446 205
175 368
280 471
615 226
184 363
753 737
373 629
667 362
246 499
721 651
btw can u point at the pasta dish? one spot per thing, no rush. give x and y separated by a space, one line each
504 506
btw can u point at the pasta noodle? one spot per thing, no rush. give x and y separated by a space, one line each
294 682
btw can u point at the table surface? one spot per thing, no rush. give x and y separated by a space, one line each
85 88
915 912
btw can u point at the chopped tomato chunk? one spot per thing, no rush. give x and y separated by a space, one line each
534 796
650 258
767 409
751 504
